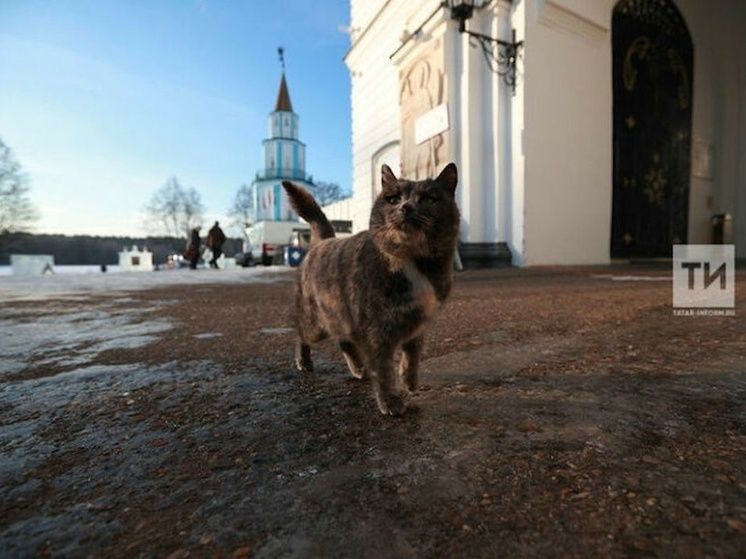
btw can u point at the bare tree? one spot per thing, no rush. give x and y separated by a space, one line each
241 211
17 212
193 209
174 209
328 192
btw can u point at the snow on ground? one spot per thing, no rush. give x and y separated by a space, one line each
14 288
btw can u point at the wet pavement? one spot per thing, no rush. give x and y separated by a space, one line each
563 412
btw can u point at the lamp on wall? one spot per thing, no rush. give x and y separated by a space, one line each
501 56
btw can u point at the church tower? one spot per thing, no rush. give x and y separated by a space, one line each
284 159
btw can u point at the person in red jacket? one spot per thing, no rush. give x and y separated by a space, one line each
193 248
215 240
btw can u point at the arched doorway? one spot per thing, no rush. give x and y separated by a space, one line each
652 85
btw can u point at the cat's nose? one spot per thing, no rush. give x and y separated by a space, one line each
407 208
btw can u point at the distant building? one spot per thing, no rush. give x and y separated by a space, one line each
136 260
284 159
32 264
339 213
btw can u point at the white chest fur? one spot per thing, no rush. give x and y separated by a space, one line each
423 291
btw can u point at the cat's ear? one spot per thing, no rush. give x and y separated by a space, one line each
387 175
448 177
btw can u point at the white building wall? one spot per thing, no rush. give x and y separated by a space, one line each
283 124
718 31
567 131
377 28
32 264
136 260
287 155
536 167
340 210
568 124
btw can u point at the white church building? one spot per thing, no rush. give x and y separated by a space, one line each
284 159
620 130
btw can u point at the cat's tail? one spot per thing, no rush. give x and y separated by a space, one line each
308 209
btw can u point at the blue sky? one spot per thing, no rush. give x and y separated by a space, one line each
102 101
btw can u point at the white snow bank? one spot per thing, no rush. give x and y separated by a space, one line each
13 288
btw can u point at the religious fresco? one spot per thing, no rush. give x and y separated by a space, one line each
652 73
422 86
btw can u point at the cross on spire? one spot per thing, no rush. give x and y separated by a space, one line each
281 55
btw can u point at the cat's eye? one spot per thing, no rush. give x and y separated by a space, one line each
430 199
395 199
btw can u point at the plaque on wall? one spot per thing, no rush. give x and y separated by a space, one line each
432 123
702 159
424 114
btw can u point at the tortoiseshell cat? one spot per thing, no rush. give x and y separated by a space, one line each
375 291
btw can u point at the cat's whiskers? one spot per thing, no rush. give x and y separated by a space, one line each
420 219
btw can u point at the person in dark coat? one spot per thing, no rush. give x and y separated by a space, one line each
193 248
215 241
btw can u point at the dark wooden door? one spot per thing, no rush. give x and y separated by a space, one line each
652 85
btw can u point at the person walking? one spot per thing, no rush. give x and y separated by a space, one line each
193 248
215 241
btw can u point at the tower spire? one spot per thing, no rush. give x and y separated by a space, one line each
283 96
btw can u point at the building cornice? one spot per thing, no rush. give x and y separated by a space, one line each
420 35
285 138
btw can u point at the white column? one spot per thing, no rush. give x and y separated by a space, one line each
476 122
453 63
472 139
501 98
516 175
483 118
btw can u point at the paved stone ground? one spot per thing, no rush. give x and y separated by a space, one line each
563 413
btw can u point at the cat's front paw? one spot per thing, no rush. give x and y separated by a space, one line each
391 404
303 361
410 383
304 365
359 373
